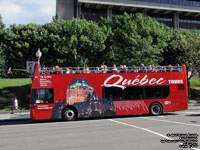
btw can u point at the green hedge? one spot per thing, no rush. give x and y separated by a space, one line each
19 73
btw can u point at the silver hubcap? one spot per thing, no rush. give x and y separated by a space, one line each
155 109
69 114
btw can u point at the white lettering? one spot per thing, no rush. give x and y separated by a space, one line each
144 80
175 81
136 81
128 83
160 81
122 83
114 84
152 81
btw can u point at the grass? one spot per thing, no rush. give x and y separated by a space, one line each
5 83
9 88
195 82
195 94
195 90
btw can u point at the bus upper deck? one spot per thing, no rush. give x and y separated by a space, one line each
105 69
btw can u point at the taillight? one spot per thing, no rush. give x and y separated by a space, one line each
180 87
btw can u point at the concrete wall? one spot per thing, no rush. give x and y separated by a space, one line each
65 9
142 4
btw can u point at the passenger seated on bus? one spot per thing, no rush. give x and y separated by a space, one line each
180 69
48 71
134 69
114 69
97 70
153 68
121 69
149 69
169 68
104 69
125 69
87 70
177 68
77 71
66 71
159 69
142 68
57 70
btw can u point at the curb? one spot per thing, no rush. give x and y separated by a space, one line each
14 117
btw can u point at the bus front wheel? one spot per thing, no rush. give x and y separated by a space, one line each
156 109
69 114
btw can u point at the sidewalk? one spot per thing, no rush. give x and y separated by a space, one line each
26 115
15 116
194 106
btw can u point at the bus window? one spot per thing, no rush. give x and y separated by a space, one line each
158 91
165 91
42 96
153 91
133 92
136 92
114 93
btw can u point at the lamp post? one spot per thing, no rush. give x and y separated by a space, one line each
38 54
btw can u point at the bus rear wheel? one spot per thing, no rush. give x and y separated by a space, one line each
156 109
69 114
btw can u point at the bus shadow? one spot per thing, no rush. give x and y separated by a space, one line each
194 115
125 116
26 121
29 121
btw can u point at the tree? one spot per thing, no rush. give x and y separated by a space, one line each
188 48
2 55
137 39
22 41
76 42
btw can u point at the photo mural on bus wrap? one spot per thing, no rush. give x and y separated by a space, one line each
82 96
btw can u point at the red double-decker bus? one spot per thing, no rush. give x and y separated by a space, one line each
79 94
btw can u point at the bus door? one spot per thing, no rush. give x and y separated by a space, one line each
42 103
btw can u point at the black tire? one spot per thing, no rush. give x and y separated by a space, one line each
155 109
69 114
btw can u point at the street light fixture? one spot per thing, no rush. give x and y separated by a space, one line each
38 54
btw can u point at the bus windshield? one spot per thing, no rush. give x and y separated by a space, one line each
42 96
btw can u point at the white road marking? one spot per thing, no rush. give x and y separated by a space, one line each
141 129
156 133
188 124
161 116
190 112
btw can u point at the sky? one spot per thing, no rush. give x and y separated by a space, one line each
27 11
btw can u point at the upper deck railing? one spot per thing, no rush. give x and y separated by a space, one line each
86 70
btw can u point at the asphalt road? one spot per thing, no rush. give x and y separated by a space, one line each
124 133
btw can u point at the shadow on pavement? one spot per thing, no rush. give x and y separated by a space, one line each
29 121
194 115
25 121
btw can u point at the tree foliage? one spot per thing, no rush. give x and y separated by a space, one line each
21 43
188 47
138 40
130 39
2 55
